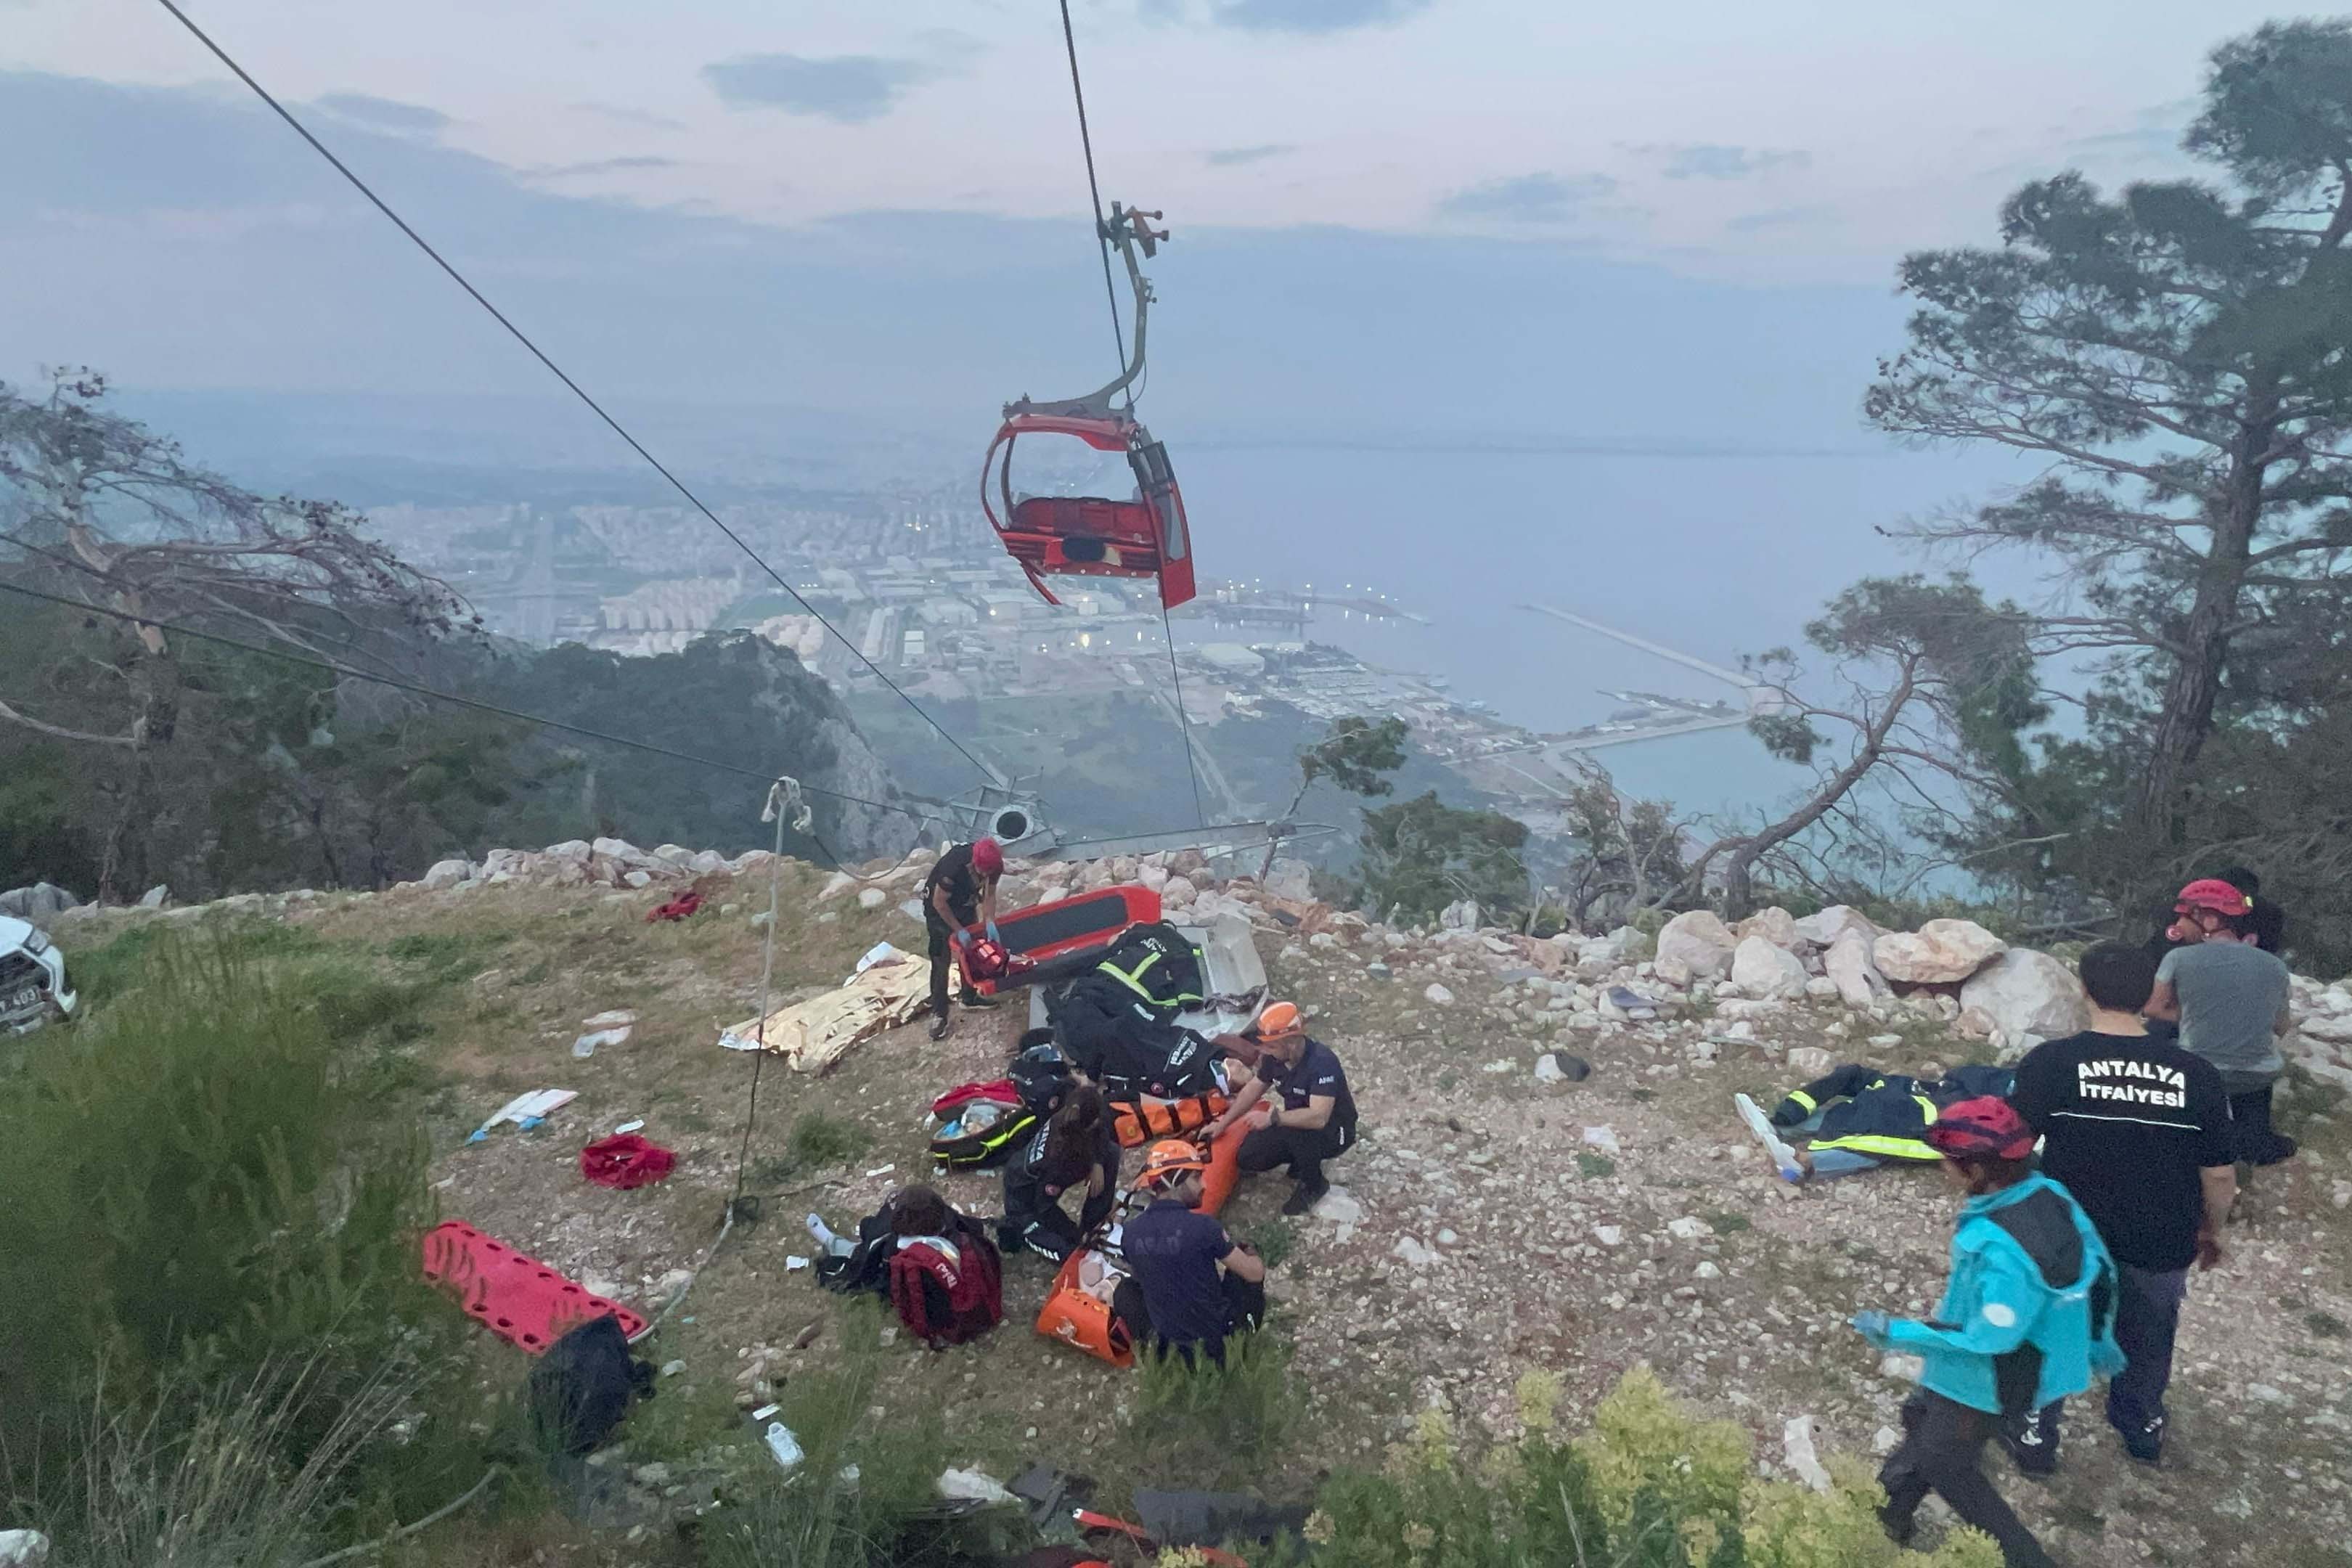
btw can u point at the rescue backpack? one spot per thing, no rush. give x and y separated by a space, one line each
981 1134
947 1292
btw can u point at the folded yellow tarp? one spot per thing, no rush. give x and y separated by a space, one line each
812 1035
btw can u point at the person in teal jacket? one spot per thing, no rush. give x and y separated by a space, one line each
2028 1317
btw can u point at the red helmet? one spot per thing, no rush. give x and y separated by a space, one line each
1986 1125
2211 893
987 857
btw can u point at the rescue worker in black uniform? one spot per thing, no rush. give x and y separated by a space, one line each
959 892
1315 1119
1075 1149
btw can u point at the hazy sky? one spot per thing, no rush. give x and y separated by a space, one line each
1389 212
1804 139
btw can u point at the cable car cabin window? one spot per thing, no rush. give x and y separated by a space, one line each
1155 478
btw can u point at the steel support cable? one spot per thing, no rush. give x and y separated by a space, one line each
1118 337
557 371
349 673
1094 195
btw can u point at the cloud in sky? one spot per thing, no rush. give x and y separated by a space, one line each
602 166
1227 157
1782 218
1540 197
625 115
851 89
1290 15
384 113
1717 160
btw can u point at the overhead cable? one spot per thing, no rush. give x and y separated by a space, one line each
558 371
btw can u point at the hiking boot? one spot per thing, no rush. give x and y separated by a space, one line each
1899 1529
2143 1440
1305 1196
1767 1137
2035 1451
941 1024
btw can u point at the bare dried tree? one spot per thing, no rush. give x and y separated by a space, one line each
96 509
1918 663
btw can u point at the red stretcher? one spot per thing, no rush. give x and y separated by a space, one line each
511 1293
1065 928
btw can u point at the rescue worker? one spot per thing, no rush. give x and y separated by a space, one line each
2232 1002
2027 1318
1075 1149
959 893
1316 1119
1190 1285
1859 1119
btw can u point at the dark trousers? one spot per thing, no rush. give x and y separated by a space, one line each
1303 1149
2253 1139
1942 1446
1245 1311
943 962
2148 1316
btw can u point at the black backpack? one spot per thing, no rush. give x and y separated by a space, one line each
584 1385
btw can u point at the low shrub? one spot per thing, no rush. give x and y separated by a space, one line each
1200 1417
858 1487
205 1194
1648 1486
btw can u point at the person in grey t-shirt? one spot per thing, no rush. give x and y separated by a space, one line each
2231 998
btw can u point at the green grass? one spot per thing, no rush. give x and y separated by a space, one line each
1216 1425
1275 1239
817 1141
225 1192
448 956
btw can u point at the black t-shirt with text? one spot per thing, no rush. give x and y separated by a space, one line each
953 872
2128 1122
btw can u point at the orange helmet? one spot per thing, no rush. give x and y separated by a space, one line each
1171 1159
1279 1021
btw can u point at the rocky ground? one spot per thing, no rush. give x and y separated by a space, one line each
1500 1213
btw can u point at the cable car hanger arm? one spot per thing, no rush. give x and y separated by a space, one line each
1125 229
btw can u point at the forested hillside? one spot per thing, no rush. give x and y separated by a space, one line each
224 744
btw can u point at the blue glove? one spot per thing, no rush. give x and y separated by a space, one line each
960 937
995 935
1873 1326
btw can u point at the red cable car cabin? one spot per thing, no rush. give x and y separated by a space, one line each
1143 536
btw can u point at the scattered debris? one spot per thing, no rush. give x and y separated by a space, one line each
527 1111
586 1045
1604 1139
683 906
974 1486
626 1161
781 1443
1797 1444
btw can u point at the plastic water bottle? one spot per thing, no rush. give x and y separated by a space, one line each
782 1445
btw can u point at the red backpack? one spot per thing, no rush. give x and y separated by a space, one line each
948 1300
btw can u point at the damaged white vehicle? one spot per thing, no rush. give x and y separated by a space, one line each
33 987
